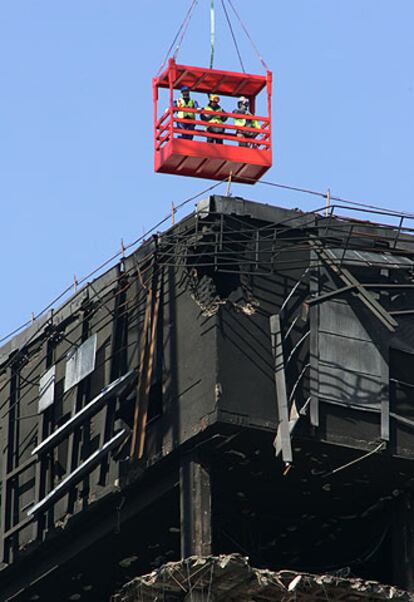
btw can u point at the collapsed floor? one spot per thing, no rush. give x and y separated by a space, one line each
231 577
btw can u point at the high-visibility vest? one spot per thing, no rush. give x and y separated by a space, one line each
246 122
181 103
215 118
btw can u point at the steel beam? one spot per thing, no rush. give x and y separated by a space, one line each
195 508
403 541
75 476
314 283
350 280
86 412
326 296
282 442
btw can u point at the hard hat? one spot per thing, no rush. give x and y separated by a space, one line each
185 89
243 100
214 98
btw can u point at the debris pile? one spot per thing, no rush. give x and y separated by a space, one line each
231 577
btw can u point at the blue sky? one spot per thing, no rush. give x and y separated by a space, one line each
76 120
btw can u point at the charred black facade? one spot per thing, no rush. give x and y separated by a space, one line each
241 383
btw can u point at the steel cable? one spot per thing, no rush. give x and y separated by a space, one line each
261 59
190 15
233 35
176 38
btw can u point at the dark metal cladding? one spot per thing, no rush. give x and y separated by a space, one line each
243 382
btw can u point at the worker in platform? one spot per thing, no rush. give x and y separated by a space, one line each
182 103
248 121
215 121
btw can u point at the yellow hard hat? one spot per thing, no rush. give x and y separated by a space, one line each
214 98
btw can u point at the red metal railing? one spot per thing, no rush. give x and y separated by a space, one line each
166 128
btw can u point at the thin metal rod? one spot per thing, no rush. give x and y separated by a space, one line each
212 32
379 447
233 36
261 59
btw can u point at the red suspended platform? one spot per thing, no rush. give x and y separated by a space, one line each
197 157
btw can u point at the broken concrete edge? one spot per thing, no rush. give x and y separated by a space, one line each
214 204
228 577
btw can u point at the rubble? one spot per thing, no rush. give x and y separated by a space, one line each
232 578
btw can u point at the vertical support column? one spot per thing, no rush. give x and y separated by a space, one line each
171 78
155 107
195 508
314 342
75 438
269 80
385 413
39 486
403 542
384 299
6 454
282 442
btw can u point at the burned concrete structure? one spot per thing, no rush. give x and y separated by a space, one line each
240 383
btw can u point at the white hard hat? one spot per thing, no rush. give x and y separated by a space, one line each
243 100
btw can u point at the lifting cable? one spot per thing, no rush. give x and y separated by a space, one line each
185 27
180 29
212 32
232 35
261 59
179 37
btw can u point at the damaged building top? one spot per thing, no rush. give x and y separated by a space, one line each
226 414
